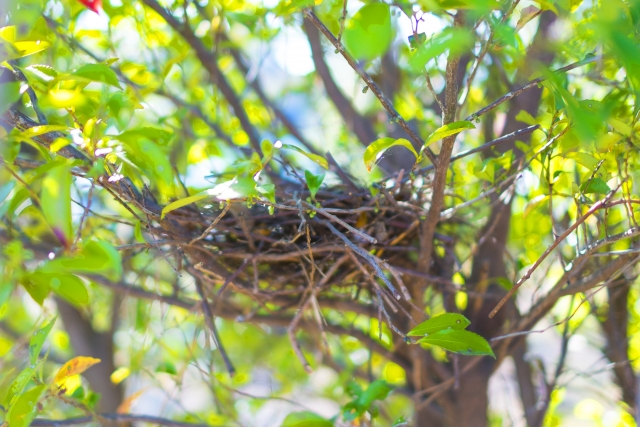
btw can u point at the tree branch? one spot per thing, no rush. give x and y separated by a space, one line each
370 83
209 61
120 418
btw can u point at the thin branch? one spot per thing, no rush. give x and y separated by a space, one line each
358 124
364 254
334 218
343 18
596 206
209 61
533 83
255 84
505 138
206 310
120 418
370 83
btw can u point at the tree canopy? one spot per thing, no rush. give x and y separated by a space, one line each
319 212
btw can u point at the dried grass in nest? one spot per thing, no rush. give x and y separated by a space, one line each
333 249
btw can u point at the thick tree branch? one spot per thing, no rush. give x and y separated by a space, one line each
428 227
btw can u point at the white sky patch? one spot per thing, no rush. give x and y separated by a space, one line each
89 20
429 25
292 52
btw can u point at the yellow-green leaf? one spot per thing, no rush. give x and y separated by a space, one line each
313 157
21 49
41 130
96 257
379 146
37 341
448 130
439 323
55 198
182 202
23 411
459 341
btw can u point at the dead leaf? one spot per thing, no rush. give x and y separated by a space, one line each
526 15
75 366
125 406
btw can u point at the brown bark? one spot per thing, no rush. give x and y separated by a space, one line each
86 341
615 328
489 262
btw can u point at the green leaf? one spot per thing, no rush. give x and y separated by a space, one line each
313 157
9 93
38 290
586 160
459 341
137 232
305 419
99 73
379 146
41 130
377 390
267 150
66 285
595 186
268 191
37 341
55 198
167 367
159 136
23 411
400 422
620 126
451 39
314 182
150 158
5 190
448 130
96 257
19 384
524 117
439 323
44 69
182 202
368 34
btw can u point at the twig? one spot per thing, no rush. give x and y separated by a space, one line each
428 226
370 83
42 118
87 209
343 18
212 226
334 218
364 254
342 174
432 90
121 418
598 205
533 83
505 138
245 230
206 310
